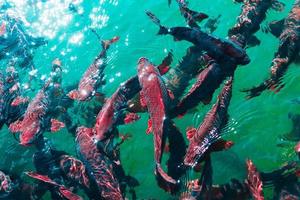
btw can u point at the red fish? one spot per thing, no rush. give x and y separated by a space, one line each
97 164
62 189
74 170
155 95
30 125
19 100
56 125
209 131
254 181
93 76
112 111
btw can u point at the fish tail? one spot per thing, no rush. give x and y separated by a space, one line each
164 180
162 29
106 43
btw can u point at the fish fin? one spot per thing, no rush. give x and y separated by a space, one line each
221 145
56 125
2 29
170 93
167 148
131 117
164 67
142 100
162 30
131 181
41 177
297 148
254 181
68 194
190 132
74 94
106 43
276 27
16 126
278 6
164 180
149 129
253 41
207 99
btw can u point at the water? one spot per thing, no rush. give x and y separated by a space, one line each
255 125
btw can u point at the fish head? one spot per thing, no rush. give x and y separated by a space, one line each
145 67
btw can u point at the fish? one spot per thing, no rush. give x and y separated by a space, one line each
134 105
287 53
156 97
252 15
254 181
75 171
93 76
209 131
62 189
191 16
112 112
98 165
30 125
217 48
201 91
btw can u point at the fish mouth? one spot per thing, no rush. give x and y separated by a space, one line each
142 60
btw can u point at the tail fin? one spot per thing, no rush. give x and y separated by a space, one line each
254 181
165 181
162 30
106 43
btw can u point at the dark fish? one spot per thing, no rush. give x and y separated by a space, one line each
191 16
209 131
155 96
98 165
217 48
287 52
93 76
202 90
252 15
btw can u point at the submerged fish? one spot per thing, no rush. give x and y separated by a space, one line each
98 165
217 48
30 125
287 53
93 76
156 97
209 131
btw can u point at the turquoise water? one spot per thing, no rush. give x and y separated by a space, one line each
255 125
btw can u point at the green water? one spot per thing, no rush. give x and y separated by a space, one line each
254 125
